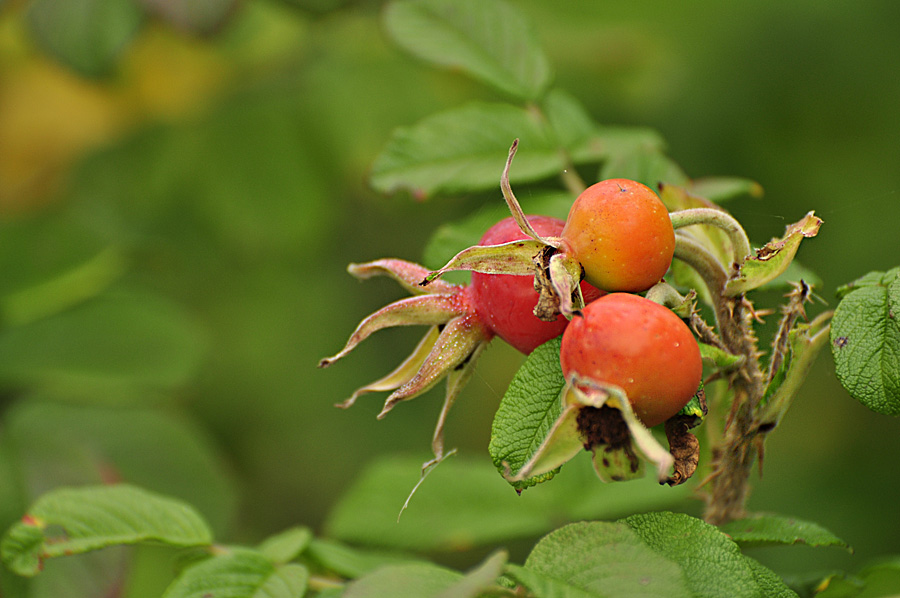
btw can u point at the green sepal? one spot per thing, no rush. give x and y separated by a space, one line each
804 342
695 408
719 358
773 258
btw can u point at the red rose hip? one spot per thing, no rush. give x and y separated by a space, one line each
638 345
621 234
505 302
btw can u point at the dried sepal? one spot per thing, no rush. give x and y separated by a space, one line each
455 338
566 274
456 380
426 310
402 374
514 257
408 274
684 446
456 343
557 278
513 204
773 258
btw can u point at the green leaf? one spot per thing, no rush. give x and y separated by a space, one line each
422 580
317 6
586 141
770 584
528 410
831 584
287 545
772 259
872 279
452 237
465 149
573 127
82 282
86 35
240 573
110 344
51 262
882 578
865 342
712 564
777 529
464 503
62 444
544 585
646 165
479 579
720 189
349 562
487 39
606 559
198 16
75 520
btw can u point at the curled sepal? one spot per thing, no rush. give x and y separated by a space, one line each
566 274
408 274
513 204
514 257
714 239
402 374
602 430
455 345
684 446
720 359
424 310
455 338
772 259
557 278
665 294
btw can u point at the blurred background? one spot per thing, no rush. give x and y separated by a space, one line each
180 193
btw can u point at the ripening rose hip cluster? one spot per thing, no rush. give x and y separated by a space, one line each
535 278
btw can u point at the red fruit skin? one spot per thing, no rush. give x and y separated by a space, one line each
639 345
506 302
622 235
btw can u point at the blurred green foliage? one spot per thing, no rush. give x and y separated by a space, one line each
173 243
